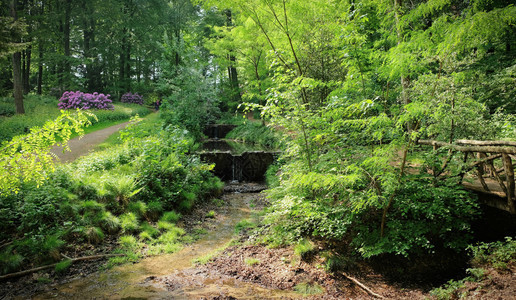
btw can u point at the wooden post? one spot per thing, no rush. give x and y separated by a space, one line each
480 172
509 172
491 166
463 172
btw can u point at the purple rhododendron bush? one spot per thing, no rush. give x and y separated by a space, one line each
132 98
80 100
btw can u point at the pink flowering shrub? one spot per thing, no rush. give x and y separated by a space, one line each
132 98
80 100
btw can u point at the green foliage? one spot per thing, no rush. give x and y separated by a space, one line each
150 230
250 261
10 262
62 266
128 242
308 289
171 216
27 158
210 214
448 291
256 133
304 248
109 222
497 254
164 225
108 192
154 210
243 225
129 222
139 208
94 235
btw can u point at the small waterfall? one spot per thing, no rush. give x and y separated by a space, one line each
249 166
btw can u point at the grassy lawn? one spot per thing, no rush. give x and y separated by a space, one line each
150 120
40 109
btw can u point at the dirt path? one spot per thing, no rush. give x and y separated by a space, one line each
80 146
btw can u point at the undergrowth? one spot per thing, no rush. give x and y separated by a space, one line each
136 188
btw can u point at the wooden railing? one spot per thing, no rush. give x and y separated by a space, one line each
480 157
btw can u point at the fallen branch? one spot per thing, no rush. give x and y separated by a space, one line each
21 273
363 286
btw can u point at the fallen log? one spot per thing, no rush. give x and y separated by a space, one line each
25 272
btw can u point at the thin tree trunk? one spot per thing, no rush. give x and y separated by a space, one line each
40 68
16 61
26 72
66 44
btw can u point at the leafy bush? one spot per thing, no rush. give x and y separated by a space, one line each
7 109
80 100
256 133
132 98
171 216
495 254
304 248
129 222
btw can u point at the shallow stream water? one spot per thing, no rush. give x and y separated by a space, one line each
141 280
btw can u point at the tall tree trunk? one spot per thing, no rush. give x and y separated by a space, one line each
66 42
16 61
40 68
121 74
128 67
405 80
232 72
26 70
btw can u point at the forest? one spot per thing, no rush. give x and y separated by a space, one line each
373 105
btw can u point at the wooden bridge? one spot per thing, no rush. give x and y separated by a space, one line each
488 166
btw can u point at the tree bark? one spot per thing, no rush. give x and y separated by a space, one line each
483 149
40 69
16 61
66 44
26 70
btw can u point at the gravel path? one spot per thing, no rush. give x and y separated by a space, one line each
80 146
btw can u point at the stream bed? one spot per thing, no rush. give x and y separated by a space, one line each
142 280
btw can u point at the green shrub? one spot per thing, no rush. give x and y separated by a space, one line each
128 242
145 236
497 254
308 289
7 109
152 231
109 222
94 235
62 266
154 210
210 214
304 249
164 225
256 133
251 261
129 222
449 290
10 262
244 225
139 208
171 216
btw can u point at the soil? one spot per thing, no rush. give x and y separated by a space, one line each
497 284
80 146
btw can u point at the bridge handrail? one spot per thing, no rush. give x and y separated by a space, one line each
486 143
509 149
